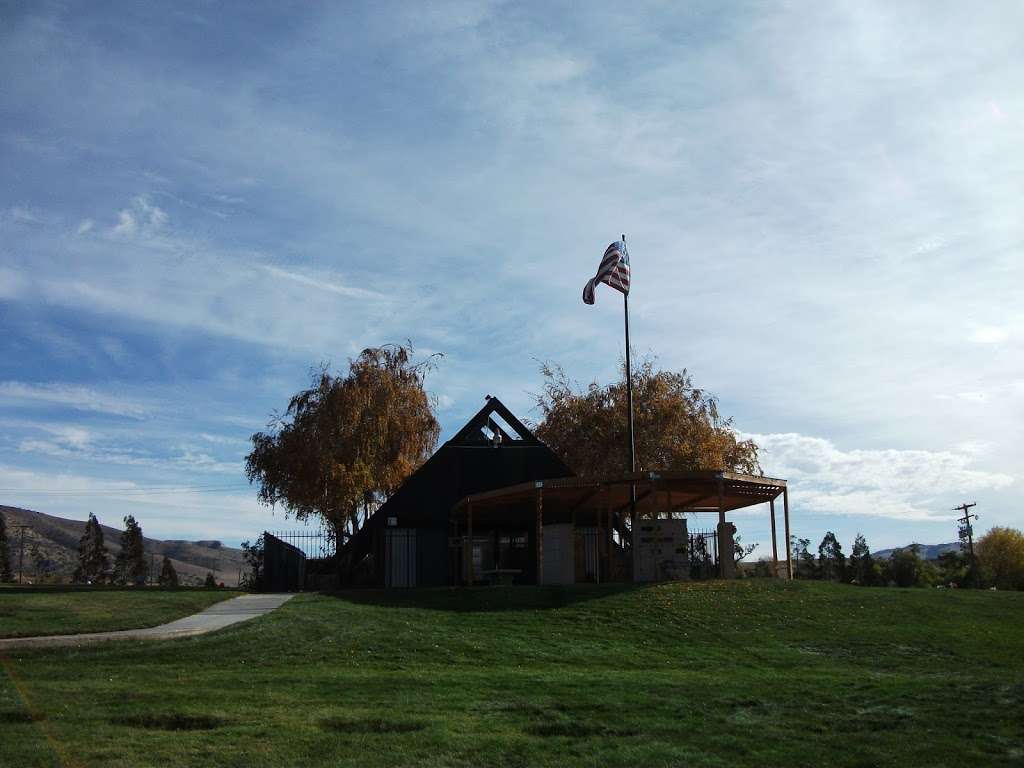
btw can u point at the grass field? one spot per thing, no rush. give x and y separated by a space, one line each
28 611
722 674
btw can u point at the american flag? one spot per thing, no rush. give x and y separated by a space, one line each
614 271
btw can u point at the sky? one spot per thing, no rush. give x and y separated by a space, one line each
203 201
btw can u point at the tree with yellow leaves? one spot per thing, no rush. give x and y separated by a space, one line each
677 425
1000 554
347 443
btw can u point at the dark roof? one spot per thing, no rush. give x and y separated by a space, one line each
480 429
469 463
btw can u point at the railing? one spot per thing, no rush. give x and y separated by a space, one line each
314 544
703 553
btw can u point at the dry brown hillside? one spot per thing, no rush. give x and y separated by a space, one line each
55 539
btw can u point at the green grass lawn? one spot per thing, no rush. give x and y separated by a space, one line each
28 611
706 674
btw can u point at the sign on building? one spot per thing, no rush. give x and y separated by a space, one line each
659 550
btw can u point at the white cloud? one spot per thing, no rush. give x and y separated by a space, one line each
21 214
126 225
85 226
72 396
142 218
989 334
908 484
12 284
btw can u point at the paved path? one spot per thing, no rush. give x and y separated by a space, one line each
217 616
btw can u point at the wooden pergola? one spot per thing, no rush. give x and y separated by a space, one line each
598 502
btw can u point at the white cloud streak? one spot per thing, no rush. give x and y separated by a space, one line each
76 397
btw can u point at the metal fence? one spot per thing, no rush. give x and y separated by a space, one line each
314 544
703 553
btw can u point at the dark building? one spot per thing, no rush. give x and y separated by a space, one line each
409 540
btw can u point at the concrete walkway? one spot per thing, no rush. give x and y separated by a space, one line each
217 616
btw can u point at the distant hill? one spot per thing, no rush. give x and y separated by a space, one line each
927 551
56 540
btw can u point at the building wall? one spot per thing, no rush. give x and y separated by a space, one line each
559 554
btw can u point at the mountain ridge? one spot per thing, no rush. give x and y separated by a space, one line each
56 540
927 551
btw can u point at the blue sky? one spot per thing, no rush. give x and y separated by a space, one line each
822 201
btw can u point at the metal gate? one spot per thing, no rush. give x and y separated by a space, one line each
591 554
284 565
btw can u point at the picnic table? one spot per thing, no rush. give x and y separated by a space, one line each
502 576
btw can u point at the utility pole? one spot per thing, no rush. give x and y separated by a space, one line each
967 532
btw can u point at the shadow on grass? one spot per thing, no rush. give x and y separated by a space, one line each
171 722
483 599
8 717
575 729
48 589
370 725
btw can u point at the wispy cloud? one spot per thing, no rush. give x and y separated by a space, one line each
72 396
322 283
185 460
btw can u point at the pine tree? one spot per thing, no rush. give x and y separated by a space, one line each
93 560
831 560
862 564
168 576
803 560
130 563
5 555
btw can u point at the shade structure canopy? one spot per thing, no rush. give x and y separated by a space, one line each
656 493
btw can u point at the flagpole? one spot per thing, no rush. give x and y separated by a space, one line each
629 386
629 406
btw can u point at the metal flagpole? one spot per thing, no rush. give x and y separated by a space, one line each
629 406
629 384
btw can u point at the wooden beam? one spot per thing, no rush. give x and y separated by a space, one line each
587 497
775 545
721 501
639 498
789 547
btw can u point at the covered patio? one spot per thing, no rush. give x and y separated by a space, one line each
603 509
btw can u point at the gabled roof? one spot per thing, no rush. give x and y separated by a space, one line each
468 463
480 428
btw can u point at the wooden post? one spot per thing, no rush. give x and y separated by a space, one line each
775 546
789 547
540 534
719 530
721 502
608 539
468 556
